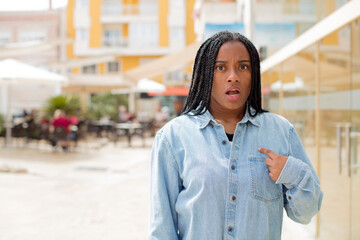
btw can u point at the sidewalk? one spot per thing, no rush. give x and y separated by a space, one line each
89 194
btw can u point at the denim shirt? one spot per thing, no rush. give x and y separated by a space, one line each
204 188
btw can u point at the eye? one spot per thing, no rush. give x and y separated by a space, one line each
243 67
219 67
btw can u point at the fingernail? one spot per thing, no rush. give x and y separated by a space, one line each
259 149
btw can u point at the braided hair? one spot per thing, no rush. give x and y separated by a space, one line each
198 100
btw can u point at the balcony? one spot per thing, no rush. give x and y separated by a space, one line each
115 12
115 42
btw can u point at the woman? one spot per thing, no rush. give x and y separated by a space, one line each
226 168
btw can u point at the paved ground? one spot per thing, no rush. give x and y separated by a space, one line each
100 191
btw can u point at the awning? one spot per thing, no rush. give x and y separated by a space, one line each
71 63
20 49
344 15
164 64
98 80
173 91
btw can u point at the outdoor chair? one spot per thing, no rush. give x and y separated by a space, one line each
18 132
59 137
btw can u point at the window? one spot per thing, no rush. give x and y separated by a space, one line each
112 7
82 3
113 38
91 69
113 67
148 7
143 35
82 34
175 76
177 37
5 37
32 35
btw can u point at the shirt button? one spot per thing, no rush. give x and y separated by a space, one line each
223 142
233 197
230 229
232 167
289 197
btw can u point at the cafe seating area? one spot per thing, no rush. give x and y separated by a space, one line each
86 130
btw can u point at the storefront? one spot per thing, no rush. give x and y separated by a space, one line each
315 83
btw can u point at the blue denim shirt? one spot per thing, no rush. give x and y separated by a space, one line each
205 188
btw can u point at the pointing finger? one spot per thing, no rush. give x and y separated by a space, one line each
267 152
268 161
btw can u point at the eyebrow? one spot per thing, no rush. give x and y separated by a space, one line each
221 61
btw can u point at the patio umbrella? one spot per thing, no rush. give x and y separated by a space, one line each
16 73
143 85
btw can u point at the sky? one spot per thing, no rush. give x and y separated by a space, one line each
29 5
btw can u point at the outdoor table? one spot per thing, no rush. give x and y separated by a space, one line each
130 130
103 126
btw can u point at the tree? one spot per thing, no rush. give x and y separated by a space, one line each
106 104
68 103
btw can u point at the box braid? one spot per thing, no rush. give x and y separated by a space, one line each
198 100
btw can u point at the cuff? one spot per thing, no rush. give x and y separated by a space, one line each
292 173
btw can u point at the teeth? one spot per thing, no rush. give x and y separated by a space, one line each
232 92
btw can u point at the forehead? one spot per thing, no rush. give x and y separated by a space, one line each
233 49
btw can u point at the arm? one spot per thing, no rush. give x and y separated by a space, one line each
164 190
301 185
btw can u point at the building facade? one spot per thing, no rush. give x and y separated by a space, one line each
32 37
314 81
131 32
21 29
310 75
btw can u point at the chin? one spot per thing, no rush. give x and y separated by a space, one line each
235 108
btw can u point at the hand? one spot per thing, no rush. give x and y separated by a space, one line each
275 162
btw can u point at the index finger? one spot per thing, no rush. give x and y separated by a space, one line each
267 152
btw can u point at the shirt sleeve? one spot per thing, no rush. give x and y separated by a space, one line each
164 189
302 193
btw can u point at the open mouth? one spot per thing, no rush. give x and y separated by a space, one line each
232 92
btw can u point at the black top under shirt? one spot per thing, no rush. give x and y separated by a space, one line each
230 136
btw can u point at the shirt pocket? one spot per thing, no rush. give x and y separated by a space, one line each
262 186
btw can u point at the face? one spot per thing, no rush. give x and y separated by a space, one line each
232 78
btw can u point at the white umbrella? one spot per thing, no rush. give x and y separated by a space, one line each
13 72
143 85
148 85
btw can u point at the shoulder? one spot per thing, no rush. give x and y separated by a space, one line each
273 117
180 123
180 129
274 121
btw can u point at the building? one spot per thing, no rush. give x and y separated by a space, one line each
27 29
270 24
314 81
310 75
115 36
36 38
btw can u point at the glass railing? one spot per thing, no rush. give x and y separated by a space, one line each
113 9
115 42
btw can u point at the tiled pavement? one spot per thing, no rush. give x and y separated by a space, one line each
99 191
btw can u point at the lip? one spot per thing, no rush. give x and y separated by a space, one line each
232 97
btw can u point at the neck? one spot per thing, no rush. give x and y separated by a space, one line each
228 119
228 115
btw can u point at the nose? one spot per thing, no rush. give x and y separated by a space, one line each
233 76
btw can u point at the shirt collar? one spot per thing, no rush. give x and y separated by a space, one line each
206 118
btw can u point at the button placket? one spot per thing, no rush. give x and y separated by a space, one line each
231 203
